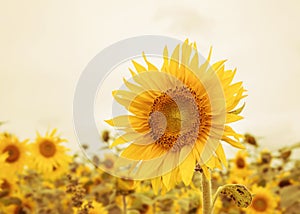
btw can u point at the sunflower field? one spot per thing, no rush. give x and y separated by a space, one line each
39 176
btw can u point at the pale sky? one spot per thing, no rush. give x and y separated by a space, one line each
45 45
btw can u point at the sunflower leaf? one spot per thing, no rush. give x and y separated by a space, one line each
238 193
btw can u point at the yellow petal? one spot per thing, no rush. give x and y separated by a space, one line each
174 61
137 152
221 155
139 68
187 165
156 184
233 142
165 66
205 65
206 172
151 67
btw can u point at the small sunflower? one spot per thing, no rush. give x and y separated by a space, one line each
48 155
178 116
98 208
13 154
264 201
8 187
27 205
234 179
240 166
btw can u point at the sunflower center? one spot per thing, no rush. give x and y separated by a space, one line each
240 163
5 188
177 118
47 149
13 153
260 204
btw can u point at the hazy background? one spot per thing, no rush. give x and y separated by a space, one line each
45 45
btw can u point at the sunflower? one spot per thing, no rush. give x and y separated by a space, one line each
8 187
48 155
234 179
264 201
13 154
178 116
240 166
97 208
27 205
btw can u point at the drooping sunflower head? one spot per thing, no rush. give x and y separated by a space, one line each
48 155
178 115
13 154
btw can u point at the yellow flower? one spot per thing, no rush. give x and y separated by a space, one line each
97 208
240 166
178 116
48 155
264 201
234 179
27 205
13 154
8 187
126 185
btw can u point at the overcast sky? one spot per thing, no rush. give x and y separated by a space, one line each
45 45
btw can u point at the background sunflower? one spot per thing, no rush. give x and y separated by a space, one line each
13 154
48 155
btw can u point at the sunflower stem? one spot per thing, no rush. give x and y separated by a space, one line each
215 197
206 195
124 204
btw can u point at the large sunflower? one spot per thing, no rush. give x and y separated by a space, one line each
13 154
48 155
178 115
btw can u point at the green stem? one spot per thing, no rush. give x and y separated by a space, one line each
124 204
206 195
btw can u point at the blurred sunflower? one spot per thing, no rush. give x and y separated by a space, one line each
178 116
8 187
97 208
13 154
240 165
264 201
48 155
27 205
236 179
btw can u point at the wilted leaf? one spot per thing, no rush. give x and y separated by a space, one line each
238 193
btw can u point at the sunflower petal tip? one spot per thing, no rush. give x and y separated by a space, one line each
114 93
110 122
